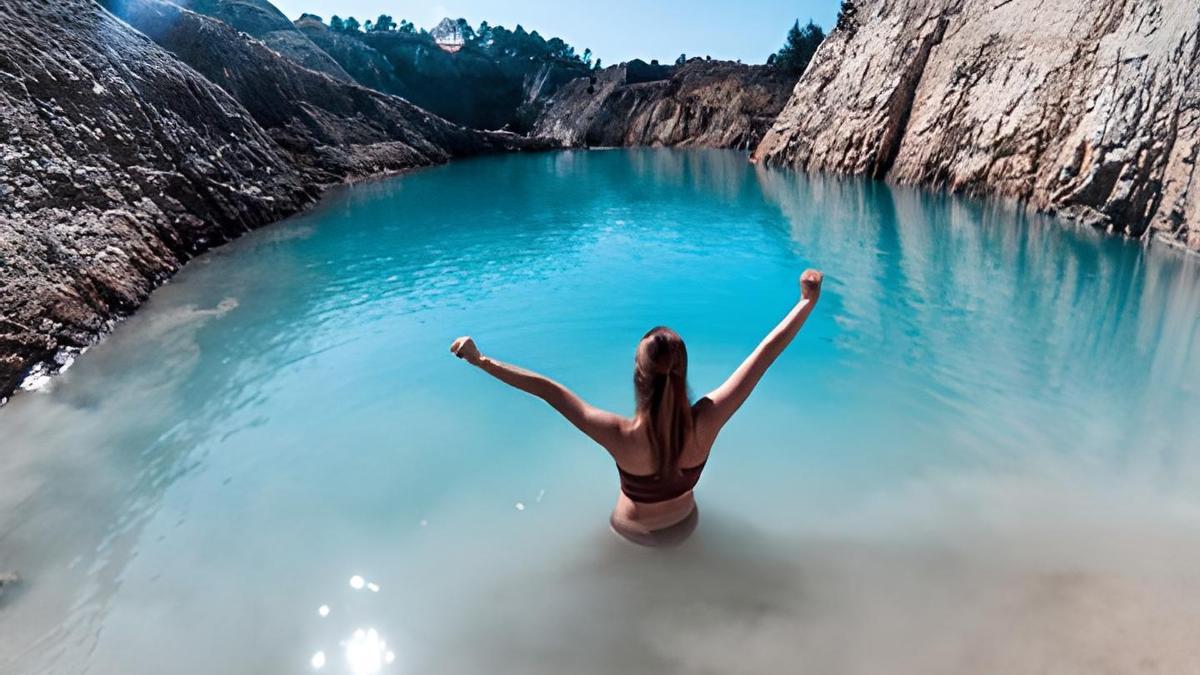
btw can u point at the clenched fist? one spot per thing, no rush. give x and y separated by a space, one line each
465 349
810 284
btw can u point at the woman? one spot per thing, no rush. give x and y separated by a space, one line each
662 449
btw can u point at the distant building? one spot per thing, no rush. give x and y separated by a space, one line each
448 35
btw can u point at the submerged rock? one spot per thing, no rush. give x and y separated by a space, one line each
701 103
1089 109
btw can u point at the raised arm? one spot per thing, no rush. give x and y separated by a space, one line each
600 425
727 398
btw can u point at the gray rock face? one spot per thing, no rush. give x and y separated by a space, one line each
334 128
262 20
1089 109
367 66
702 103
480 87
121 161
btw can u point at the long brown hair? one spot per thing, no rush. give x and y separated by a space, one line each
660 385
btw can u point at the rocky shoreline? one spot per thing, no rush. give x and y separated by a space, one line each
134 142
127 153
699 103
137 139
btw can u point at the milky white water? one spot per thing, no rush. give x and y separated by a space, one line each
981 455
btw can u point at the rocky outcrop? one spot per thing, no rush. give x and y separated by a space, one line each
474 86
262 20
1090 109
121 161
701 103
342 130
366 66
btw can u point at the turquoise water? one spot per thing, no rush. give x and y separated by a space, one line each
981 454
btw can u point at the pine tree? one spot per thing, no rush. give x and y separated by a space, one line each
799 48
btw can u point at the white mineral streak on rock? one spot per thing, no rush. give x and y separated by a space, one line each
1087 109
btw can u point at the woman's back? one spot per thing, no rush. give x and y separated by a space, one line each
661 451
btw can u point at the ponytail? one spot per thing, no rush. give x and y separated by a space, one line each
660 382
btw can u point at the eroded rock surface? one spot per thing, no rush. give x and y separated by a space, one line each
1088 109
477 86
335 128
262 20
701 103
120 161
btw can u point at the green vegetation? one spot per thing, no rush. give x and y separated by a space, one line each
494 41
384 23
799 48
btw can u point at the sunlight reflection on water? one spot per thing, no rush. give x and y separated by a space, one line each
979 456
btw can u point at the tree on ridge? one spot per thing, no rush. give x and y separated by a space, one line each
799 48
385 23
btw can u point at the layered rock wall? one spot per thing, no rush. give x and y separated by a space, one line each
333 127
1089 109
121 160
262 20
483 88
701 103
119 163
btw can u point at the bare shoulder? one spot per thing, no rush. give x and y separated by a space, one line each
633 440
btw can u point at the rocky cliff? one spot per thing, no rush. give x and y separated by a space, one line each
1089 109
262 20
368 67
701 103
339 129
480 86
121 161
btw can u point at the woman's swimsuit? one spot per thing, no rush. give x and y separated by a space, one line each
653 489
672 535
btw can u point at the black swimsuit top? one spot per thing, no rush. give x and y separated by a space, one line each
651 489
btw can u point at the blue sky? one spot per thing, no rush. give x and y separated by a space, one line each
616 30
